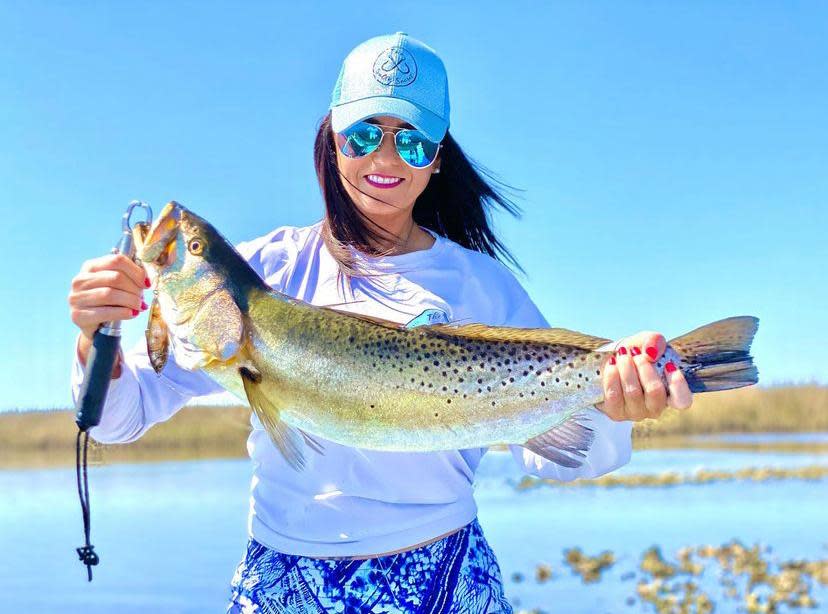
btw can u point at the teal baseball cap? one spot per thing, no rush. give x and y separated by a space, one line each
393 75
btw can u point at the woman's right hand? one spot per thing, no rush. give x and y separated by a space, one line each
107 288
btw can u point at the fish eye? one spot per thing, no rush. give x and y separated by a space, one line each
195 246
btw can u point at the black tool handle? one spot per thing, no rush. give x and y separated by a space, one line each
98 372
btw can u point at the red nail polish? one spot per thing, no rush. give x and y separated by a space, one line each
622 350
143 306
635 351
147 282
669 367
135 312
612 360
652 352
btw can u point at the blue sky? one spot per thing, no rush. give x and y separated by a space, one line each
672 156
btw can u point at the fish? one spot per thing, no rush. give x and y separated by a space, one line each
313 373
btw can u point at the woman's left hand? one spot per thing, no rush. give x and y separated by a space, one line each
633 389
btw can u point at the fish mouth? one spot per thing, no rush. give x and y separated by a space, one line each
156 244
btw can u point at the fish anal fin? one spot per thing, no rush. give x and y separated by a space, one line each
289 441
311 442
565 444
557 336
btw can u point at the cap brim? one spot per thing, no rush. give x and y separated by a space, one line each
347 114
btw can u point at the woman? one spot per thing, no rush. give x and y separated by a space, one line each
405 230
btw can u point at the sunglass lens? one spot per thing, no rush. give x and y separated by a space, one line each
415 148
359 140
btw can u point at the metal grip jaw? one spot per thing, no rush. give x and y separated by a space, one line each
99 364
105 344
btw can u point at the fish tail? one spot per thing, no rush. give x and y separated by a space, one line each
717 356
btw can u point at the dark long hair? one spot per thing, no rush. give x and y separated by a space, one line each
456 204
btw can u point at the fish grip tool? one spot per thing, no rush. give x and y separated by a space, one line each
97 374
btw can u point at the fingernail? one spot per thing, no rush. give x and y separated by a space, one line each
135 312
143 306
147 283
669 367
652 352
635 351
622 350
612 360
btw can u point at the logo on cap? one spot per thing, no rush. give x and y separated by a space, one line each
395 66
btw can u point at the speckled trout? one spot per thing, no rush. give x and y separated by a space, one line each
312 373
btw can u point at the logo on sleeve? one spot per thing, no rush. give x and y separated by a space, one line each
395 66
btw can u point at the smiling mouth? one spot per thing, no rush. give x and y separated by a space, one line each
383 181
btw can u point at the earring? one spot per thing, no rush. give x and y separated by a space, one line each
437 170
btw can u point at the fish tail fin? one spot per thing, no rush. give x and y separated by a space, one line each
717 356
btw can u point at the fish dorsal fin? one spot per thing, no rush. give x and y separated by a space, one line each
556 336
372 319
290 441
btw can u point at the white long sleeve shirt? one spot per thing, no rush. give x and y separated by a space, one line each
352 501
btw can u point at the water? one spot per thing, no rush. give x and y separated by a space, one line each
171 534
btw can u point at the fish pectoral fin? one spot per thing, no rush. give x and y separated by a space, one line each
158 337
288 440
565 444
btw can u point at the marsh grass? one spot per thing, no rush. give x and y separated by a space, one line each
699 579
779 409
673 478
47 438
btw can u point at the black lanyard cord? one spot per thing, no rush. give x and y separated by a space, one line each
86 553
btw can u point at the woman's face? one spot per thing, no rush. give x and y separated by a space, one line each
403 183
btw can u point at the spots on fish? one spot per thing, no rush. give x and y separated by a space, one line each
457 368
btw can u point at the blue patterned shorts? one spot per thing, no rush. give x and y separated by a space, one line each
457 574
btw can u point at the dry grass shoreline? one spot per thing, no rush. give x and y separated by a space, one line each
47 438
